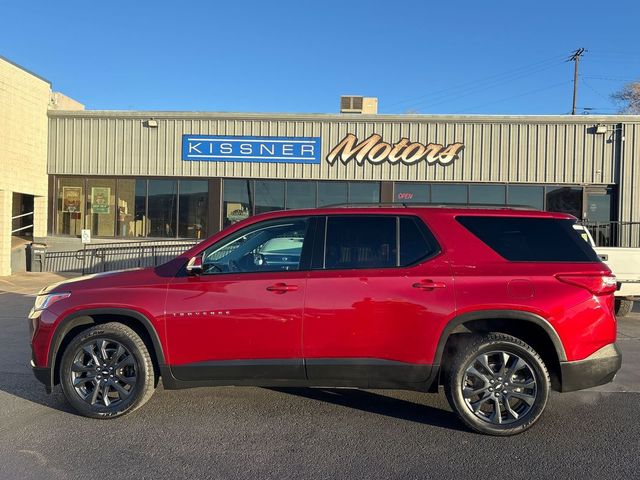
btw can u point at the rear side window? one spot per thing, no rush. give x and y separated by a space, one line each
531 239
416 242
360 242
356 242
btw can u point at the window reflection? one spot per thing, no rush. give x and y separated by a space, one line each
132 205
101 201
237 201
331 193
487 194
526 195
301 194
269 195
364 192
162 208
565 199
449 193
194 203
70 206
412 192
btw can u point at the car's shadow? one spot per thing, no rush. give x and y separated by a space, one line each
368 401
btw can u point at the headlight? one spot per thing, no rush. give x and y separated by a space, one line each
45 301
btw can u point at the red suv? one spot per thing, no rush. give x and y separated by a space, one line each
497 305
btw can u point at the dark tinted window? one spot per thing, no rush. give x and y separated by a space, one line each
529 196
565 199
412 192
531 239
487 194
448 193
416 242
360 242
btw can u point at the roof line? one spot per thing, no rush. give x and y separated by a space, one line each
17 65
579 119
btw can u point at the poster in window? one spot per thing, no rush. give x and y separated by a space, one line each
71 198
236 212
100 199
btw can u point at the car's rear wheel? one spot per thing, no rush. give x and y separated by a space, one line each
497 384
623 307
106 371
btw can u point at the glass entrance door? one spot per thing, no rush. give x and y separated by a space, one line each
597 214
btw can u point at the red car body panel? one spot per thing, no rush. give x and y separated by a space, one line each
234 317
376 313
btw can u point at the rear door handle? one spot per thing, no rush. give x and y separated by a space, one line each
282 288
429 285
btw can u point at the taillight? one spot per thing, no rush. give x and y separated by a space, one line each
596 284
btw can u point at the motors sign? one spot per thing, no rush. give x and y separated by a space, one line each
374 150
230 148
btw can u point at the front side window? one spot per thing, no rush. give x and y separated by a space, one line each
269 246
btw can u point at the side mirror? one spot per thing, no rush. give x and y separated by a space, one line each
194 267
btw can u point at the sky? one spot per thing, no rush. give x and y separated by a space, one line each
446 57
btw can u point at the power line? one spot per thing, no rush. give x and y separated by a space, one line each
612 79
476 89
531 92
477 82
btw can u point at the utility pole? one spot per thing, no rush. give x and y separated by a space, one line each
575 58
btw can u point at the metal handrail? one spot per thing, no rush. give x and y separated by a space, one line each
21 228
23 215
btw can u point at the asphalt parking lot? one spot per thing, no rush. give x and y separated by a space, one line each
305 433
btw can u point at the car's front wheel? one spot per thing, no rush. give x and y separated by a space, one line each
106 371
497 384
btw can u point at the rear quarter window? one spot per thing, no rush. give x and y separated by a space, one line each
528 239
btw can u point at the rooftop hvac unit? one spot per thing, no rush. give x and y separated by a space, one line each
358 104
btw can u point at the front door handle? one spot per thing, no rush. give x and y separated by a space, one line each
429 285
282 288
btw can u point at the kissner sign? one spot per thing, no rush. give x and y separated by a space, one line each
375 151
230 148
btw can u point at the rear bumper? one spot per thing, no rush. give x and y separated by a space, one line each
597 369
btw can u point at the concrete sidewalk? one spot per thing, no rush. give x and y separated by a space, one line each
30 283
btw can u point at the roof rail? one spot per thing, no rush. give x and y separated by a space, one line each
429 205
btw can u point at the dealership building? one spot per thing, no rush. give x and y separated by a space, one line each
132 175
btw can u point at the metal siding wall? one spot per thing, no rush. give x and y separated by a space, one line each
496 150
629 182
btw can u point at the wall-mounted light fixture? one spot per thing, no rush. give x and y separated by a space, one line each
151 123
601 129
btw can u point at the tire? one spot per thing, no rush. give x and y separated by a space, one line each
106 371
623 307
527 388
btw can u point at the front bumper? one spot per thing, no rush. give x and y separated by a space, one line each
597 369
43 375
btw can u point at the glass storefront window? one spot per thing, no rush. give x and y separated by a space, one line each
364 192
132 206
411 192
269 195
301 194
526 195
448 193
237 201
101 206
565 199
331 193
162 201
70 206
487 194
193 209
